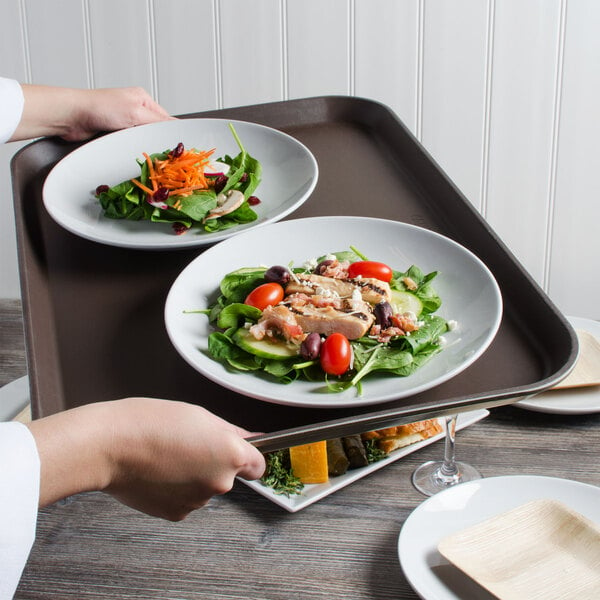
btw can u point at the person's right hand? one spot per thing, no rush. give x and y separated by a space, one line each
161 457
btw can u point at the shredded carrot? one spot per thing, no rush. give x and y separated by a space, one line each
182 175
150 171
142 186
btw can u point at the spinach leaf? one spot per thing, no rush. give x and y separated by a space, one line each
233 314
235 286
379 358
221 348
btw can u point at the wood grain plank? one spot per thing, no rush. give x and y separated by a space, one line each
12 348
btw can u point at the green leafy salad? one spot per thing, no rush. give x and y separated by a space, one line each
187 188
336 320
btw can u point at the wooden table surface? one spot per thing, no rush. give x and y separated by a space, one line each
243 546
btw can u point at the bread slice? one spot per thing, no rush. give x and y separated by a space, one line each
393 438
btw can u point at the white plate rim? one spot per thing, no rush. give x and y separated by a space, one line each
417 544
169 240
276 393
313 493
581 401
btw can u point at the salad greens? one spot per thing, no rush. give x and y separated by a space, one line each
127 200
398 356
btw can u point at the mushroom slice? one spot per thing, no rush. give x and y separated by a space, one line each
226 203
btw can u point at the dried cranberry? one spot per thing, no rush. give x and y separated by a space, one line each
179 228
161 194
244 178
220 182
253 201
177 151
101 189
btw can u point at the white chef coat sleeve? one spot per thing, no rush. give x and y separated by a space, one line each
19 497
11 107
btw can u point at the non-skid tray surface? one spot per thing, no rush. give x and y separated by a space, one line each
94 313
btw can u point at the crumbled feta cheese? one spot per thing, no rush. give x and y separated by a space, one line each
311 264
441 341
452 325
321 291
330 257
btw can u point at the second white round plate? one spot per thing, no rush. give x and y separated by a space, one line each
568 401
469 293
457 508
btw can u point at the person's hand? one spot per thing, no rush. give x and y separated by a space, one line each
111 109
77 114
161 457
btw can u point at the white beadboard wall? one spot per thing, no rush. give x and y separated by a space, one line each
505 94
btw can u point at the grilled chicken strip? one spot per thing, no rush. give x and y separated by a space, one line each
351 320
372 291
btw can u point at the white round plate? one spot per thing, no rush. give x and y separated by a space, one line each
457 508
289 175
469 293
570 401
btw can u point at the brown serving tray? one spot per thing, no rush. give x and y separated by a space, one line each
94 313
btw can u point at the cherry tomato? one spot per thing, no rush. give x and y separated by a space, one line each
370 268
336 354
267 294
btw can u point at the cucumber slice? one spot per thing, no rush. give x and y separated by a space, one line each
406 302
264 348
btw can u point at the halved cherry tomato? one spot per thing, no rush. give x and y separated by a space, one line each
372 269
267 294
336 354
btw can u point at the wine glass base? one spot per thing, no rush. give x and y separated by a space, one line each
429 478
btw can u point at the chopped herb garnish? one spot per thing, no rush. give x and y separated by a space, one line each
278 474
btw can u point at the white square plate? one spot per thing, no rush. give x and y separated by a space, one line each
312 493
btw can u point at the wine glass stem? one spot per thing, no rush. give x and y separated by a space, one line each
448 469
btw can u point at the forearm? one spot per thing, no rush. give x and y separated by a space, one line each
48 111
77 114
74 450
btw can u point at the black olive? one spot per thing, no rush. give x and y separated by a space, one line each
278 274
383 314
311 346
322 266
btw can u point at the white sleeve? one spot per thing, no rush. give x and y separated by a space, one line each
11 107
19 497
